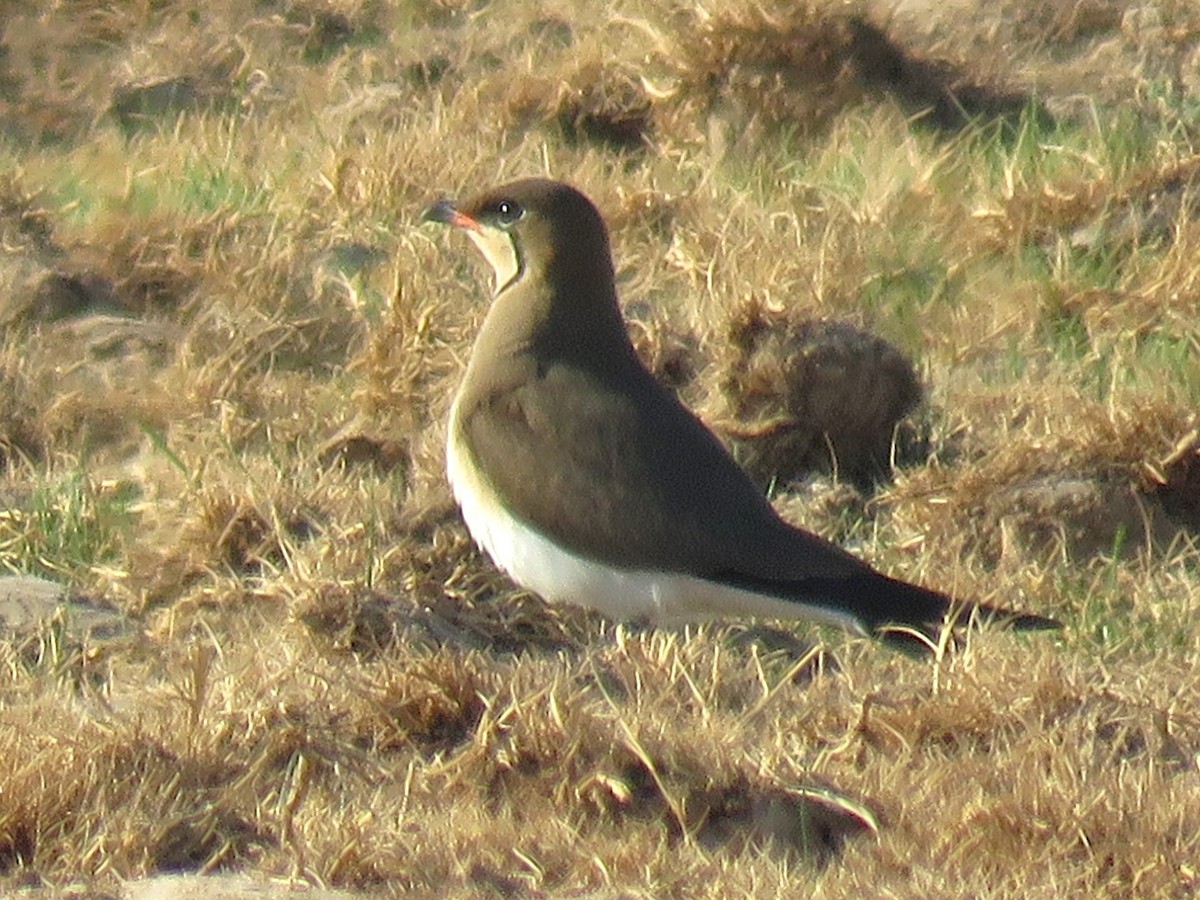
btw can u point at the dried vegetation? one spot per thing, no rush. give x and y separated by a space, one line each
227 352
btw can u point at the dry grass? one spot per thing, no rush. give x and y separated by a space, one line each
229 348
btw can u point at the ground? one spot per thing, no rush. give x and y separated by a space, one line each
246 636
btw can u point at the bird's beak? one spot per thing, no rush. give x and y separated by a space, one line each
443 211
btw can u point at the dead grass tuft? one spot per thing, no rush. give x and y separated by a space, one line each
364 624
595 104
798 66
1070 498
757 67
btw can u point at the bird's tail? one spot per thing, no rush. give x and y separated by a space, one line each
911 617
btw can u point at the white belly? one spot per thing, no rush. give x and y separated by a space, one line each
540 565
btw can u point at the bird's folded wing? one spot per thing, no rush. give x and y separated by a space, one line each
644 484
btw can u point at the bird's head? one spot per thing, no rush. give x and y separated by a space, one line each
533 227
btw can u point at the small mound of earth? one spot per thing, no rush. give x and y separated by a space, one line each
812 396
1081 517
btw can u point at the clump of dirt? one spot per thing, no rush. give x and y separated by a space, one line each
804 395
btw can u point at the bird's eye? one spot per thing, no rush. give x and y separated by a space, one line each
508 211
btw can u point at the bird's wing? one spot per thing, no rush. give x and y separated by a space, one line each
647 486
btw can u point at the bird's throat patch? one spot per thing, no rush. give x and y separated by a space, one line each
500 249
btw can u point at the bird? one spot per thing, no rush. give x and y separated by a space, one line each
589 482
